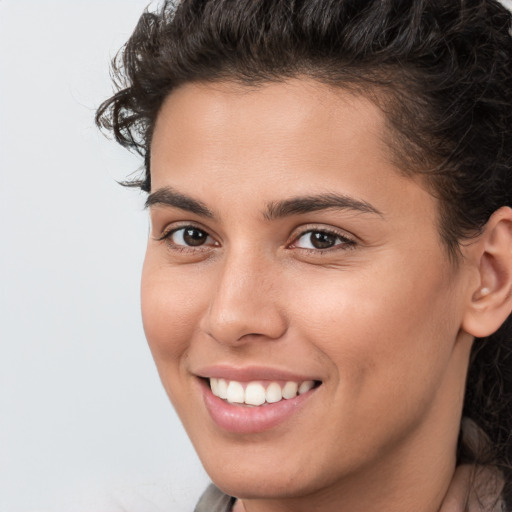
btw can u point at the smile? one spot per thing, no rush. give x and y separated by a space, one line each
255 399
256 393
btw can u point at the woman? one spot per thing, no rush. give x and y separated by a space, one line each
329 187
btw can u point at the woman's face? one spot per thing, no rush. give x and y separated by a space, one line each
286 249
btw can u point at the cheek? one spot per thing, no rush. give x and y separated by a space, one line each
384 325
171 309
388 343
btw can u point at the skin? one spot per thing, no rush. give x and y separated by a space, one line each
378 320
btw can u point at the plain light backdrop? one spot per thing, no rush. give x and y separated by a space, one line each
85 425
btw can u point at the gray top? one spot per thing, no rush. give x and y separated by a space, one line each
488 499
214 500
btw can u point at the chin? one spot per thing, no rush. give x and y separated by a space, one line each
256 471
261 483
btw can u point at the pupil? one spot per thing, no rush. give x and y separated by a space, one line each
322 240
194 236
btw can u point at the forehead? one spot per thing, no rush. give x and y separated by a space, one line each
286 138
295 119
278 107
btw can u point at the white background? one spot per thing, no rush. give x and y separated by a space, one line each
84 422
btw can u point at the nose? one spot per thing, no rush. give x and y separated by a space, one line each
244 303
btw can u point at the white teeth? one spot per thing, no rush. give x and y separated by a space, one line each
306 386
290 390
214 384
255 393
273 393
235 393
222 388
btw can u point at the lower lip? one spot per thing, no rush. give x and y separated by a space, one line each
241 419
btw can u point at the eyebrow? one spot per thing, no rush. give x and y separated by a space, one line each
167 196
308 204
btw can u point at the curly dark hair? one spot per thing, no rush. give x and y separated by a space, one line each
441 70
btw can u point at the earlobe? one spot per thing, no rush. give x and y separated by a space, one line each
491 300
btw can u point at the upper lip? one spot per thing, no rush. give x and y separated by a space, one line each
250 373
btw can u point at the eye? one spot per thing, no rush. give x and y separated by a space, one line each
188 236
321 240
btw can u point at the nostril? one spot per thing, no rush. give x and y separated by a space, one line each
243 325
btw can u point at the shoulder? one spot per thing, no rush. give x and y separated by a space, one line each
214 500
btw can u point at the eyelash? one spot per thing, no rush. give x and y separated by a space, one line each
344 242
167 235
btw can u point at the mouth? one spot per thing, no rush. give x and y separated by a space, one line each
255 401
259 393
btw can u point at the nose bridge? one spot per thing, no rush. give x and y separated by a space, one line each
244 302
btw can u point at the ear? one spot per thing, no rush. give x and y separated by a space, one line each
491 297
